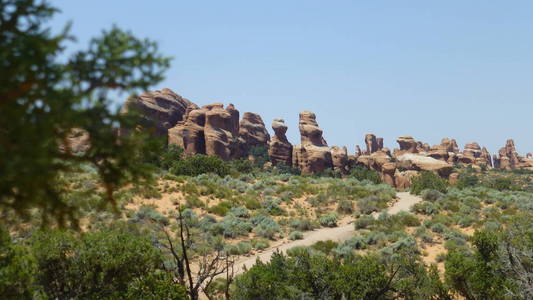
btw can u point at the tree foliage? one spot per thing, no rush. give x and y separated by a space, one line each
43 97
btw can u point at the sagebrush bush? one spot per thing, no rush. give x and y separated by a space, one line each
295 235
361 173
345 206
364 221
329 220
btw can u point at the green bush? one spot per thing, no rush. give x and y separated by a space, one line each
428 180
295 235
345 206
265 226
364 221
361 173
329 220
221 209
200 164
467 180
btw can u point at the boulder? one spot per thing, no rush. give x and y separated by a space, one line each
280 149
160 110
403 179
417 162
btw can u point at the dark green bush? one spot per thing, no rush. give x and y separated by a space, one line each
361 173
428 180
200 164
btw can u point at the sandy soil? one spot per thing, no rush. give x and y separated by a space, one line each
343 232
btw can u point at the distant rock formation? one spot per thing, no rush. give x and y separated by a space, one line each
161 110
313 154
509 159
280 150
215 130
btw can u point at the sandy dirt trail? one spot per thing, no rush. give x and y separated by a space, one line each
343 232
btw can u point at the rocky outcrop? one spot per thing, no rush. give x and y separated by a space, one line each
219 129
410 161
160 110
339 157
280 149
407 144
313 155
252 132
446 151
509 159
373 144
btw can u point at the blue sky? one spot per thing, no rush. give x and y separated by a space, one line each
430 69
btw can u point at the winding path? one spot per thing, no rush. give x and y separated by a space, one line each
343 232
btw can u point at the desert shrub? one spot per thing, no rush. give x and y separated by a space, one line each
425 207
239 212
407 219
361 173
356 243
295 235
241 248
368 204
428 180
251 202
431 195
233 226
271 205
438 227
364 221
329 220
98 265
325 246
169 156
200 164
194 201
260 155
284 169
345 206
149 214
265 226
467 180
302 224
241 165
503 184
260 244
221 209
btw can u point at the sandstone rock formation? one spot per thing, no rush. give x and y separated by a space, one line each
416 162
189 134
280 149
252 132
160 110
509 159
77 141
313 155
339 156
407 144
373 144
219 128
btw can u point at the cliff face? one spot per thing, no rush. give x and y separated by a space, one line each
217 130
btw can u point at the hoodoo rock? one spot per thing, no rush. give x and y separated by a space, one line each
252 132
280 150
407 144
160 110
446 151
219 128
372 143
509 159
313 155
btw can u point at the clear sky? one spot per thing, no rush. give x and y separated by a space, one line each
430 69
